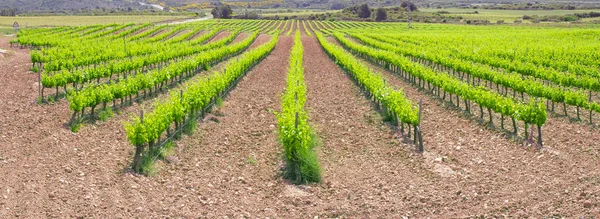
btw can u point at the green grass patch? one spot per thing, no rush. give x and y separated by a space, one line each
75 125
6 30
504 15
252 160
219 102
303 166
106 114
191 125
148 164
38 21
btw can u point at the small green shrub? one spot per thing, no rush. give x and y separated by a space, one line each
147 166
251 160
303 166
166 149
219 102
106 114
190 127
75 125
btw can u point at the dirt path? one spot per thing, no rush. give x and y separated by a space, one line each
489 169
208 17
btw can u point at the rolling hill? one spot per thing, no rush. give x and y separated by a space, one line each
79 5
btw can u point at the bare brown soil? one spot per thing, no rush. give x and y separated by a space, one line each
272 26
505 178
317 26
139 31
230 166
287 27
219 36
161 31
176 34
280 26
304 29
294 28
121 30
198 34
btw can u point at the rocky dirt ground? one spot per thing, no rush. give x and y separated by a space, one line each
231 165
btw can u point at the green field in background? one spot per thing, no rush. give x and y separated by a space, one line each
297 13
506 15
81 20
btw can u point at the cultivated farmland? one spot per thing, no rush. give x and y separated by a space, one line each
258 118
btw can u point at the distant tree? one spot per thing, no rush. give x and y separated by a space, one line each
226 12
381 15
570 18
337 6
8 12
364 11
216 13
223 11
409 6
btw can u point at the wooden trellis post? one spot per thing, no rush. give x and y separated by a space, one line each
139 148
418 128
296 121
540 135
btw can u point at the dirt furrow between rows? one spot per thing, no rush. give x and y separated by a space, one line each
364 166
488 167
